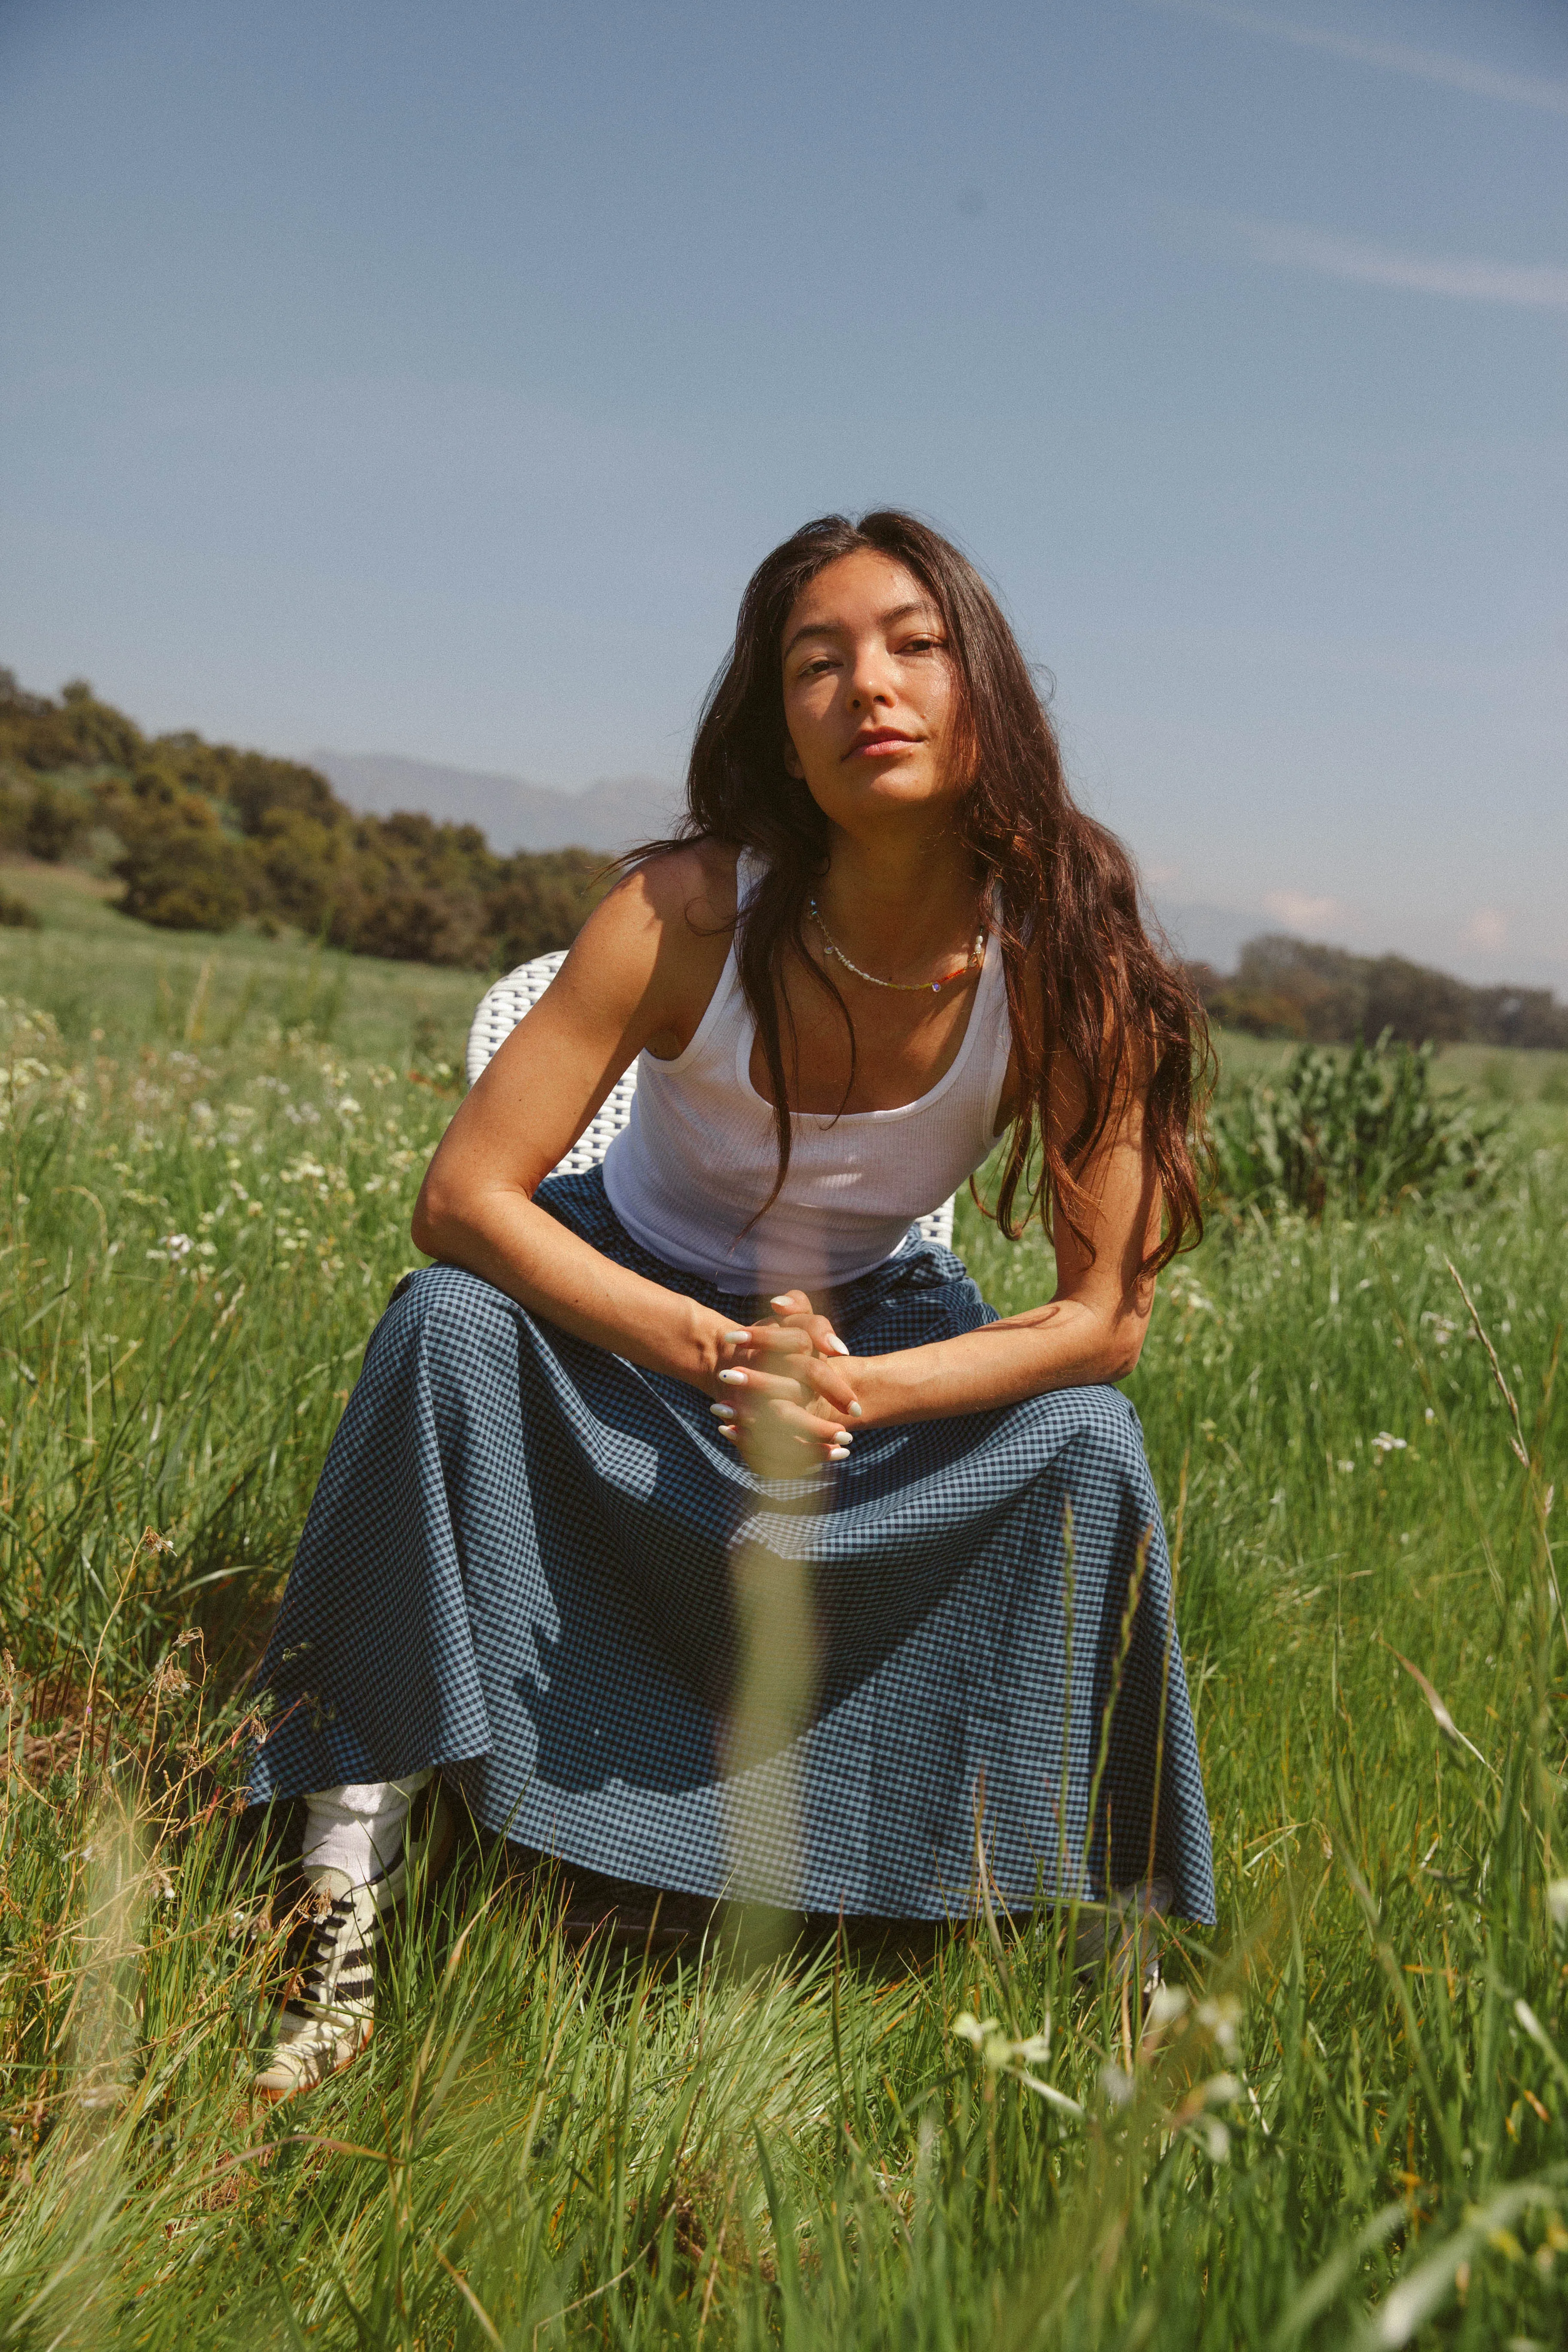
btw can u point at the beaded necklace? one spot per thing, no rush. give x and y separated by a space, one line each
906 987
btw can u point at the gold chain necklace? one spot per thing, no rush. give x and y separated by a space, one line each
905 987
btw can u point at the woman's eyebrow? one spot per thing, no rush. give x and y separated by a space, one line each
835 628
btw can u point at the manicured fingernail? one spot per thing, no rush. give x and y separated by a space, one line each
838 1453
855 1409
723 1412
783 1299
740 1377
738 1339
836 1344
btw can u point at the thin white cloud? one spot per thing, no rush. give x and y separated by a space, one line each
1488 928
1396 56
1299 909
1533 286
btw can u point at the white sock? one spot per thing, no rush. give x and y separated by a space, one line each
357 1830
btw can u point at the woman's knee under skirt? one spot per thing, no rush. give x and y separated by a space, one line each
542 1568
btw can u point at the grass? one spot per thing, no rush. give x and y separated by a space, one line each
1348 2118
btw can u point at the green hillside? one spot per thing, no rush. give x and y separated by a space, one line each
1345 2122
202 836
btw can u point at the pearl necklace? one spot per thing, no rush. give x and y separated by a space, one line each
906 987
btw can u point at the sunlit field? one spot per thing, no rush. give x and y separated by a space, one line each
1345 2118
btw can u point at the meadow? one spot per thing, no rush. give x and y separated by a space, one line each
1345 2118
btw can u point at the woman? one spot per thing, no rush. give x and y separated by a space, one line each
694 1517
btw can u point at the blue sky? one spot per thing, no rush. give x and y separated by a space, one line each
428 379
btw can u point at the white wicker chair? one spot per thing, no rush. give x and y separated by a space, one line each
502 1006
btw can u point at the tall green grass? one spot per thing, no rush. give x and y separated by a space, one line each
1345 2118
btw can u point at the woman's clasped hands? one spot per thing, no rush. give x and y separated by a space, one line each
786 1390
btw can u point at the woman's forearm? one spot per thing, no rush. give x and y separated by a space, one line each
505 1237
1067 1344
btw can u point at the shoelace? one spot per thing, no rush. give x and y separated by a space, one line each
329 1948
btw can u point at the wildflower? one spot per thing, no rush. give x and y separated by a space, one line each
1382 1444
1221 2018
1117 2086
179 1246
977 2030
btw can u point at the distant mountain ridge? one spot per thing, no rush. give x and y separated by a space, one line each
615 813
612 814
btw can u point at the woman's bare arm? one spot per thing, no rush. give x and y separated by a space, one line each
1090 1329
640 974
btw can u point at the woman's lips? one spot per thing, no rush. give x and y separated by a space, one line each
870 747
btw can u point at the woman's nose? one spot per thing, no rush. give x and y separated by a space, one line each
870 683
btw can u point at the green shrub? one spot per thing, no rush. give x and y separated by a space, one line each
1361 1131
543 900
54 823
184 878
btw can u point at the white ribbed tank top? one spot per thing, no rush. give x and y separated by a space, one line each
699 1156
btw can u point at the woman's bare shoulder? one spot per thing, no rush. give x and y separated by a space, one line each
687 894
691 887
653 948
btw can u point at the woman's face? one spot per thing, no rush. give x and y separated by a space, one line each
869 692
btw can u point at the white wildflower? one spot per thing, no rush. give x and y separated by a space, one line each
1117 2086
1221 2017
970 2028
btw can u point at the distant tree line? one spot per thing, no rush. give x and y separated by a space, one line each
205 836
1286 988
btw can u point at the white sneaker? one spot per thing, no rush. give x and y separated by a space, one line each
328 2014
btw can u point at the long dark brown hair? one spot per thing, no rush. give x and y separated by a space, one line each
1062 892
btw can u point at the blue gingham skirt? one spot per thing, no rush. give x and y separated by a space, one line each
540 1568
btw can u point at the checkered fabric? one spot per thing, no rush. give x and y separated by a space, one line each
535 1565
